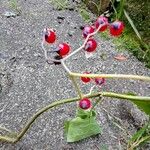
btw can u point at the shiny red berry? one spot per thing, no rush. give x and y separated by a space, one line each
85 103
100 81
87 30
116 28
50 36
103 21
63 49
85 79
90 45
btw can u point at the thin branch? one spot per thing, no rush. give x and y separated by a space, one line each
122 76
7 139
83 45
65 67
76 87
4 129
45 54
77 50
114 9
57 103
91 89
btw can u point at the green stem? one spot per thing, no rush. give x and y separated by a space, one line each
7 139
57 103
97 101
121 76
123 96
4 129
76 87
122 3
112 3
137 143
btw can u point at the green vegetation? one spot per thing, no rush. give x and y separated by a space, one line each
136 39
85 14
59 4
14 5
137 33
136 15
140 137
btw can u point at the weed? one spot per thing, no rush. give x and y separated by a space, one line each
59 4
14 5
140 137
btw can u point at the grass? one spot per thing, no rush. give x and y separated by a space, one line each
129 41
14 5
135 38
140 138
59 4
85 14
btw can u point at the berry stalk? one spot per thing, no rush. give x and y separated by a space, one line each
83 45
121 76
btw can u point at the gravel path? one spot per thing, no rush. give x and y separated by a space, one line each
28 83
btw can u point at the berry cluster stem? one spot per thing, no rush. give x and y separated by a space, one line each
83 45
121 76
45 54
76 86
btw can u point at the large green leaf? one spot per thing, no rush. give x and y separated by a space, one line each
83 126
143 105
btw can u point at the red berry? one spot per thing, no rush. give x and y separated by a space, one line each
100 81
50 36
116 28
90 45
103 21
87 30
63 49
85 79
85 103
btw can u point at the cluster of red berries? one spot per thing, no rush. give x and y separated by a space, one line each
85 103
116 28
50 37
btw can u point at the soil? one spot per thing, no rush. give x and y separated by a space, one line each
28 82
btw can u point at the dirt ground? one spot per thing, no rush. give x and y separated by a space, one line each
28 83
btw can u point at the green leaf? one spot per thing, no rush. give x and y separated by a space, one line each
79 129
85 113
132 24
143 105
66 126
83 126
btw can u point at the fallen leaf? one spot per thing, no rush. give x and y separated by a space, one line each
120 57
